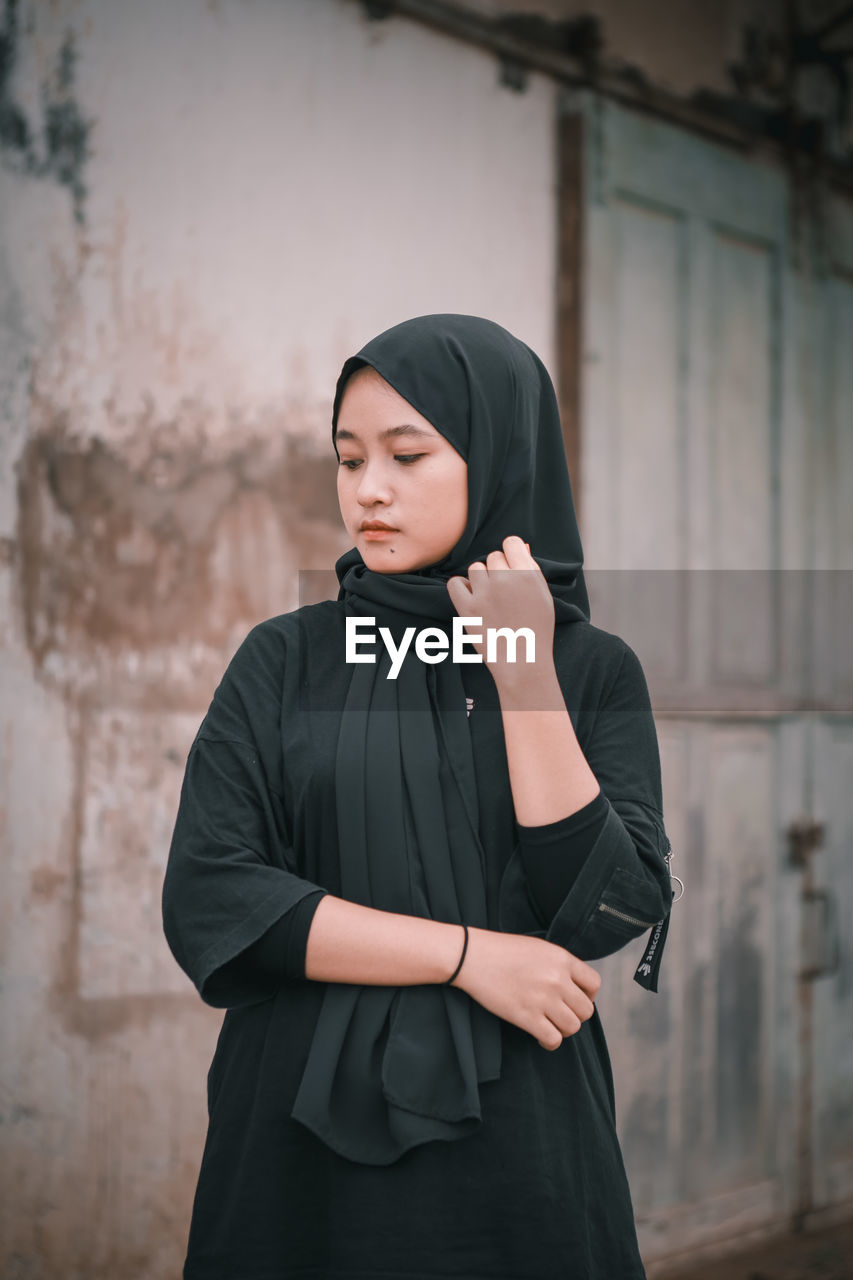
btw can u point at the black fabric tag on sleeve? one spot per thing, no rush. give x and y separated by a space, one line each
649 967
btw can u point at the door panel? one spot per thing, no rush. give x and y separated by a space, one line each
832 1061
716 474
832 737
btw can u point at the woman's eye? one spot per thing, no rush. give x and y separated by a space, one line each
406 458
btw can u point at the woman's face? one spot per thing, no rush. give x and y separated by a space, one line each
396 469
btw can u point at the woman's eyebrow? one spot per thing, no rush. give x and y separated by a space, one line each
407 429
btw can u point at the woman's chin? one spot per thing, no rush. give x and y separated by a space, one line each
389 562
382 560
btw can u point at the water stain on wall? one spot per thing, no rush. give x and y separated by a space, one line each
174 547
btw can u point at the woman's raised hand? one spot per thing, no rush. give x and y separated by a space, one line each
508 590
533 983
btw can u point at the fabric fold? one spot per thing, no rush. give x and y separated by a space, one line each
390 1067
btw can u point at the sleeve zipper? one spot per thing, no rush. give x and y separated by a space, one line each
641 924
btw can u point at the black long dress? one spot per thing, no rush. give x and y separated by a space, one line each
539 1192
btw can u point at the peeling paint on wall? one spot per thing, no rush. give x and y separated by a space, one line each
58 148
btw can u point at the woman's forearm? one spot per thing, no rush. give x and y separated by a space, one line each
348 942
548 771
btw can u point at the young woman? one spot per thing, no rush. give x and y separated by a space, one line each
397 850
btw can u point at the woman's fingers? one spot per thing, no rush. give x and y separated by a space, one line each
566 1020
517 553
585 977
459 590
550 1038
531 982
514 553
558 1026
568 1016
583 1006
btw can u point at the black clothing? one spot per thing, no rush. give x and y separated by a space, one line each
405 780
406 1131
550 878
538 1192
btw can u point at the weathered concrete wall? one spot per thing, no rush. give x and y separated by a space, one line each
205 208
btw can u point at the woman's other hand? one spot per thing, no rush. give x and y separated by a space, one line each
533 983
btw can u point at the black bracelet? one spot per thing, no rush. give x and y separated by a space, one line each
461 958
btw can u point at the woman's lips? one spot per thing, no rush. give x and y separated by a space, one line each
375 535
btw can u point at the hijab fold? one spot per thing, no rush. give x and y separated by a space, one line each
390 1067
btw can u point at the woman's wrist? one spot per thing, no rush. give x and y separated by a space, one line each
533 688
455 974
348 942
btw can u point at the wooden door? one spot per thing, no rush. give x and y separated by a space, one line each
715 476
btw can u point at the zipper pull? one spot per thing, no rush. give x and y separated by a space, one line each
649 967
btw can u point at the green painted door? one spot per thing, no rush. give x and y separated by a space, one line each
716 486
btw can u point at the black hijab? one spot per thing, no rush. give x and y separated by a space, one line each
390 1067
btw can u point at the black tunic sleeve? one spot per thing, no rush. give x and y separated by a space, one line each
263 966
231 872
554 853
618 886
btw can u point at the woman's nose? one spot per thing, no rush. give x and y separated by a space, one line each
373 484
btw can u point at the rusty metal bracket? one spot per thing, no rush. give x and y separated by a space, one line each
513 74
805 837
